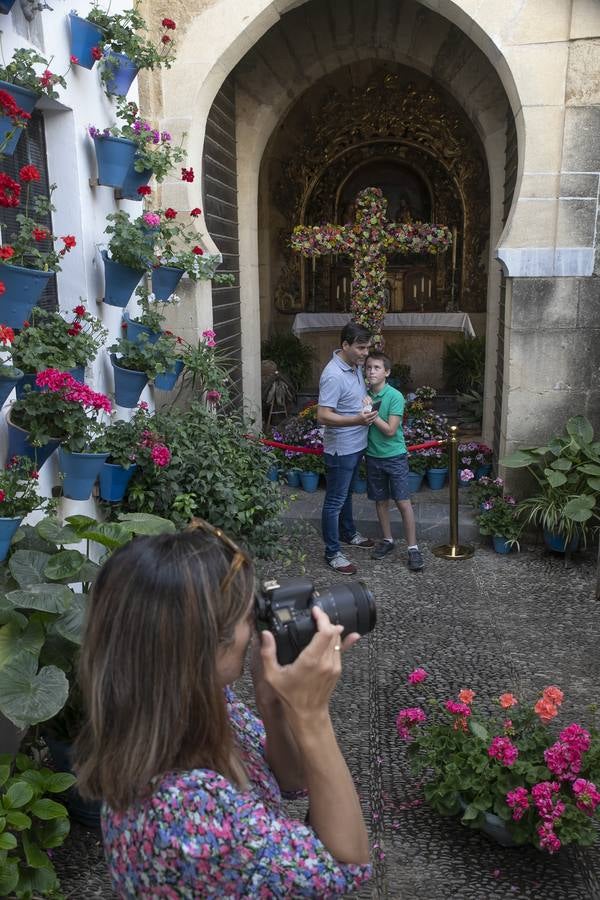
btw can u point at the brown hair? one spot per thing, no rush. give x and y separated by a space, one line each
379 354
159 611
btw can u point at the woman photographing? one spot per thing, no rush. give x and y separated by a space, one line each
191 779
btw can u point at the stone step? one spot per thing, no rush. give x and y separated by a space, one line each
431 513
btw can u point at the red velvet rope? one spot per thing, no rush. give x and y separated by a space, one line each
317 451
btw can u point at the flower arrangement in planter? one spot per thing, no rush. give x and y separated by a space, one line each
131 241
418 462
21 71
437 457
498 518
505 768
18 497
206 369
485 488
137 362
12 121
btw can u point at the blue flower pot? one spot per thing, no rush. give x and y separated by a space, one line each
119 281
165 280
26 99
415 480
6 6
18 445
309 481
359 486
84 37
292 476
483 470
29 379
168 380
273 473
500 544
8 383
79 471
132 181
114 159
136 329
436 478
128 384
24 287
558 543
114 481
121 72
7 531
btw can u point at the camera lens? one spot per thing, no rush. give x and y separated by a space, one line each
351 605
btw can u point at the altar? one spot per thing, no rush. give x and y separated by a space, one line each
414 339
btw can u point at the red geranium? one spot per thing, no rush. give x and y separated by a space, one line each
39 234
29 173
166 39
196 211
79 310
11 108
170 213
7 251
169 23
96 53
74 60
69 241
7 335
187 174
198 251
10 190
144 190
74 329
2 288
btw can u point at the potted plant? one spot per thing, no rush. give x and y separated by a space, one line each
131 247
149 320
137 362
483 460
485 488
86 40
418 464
504 771
437 468
126 47
49 341
498 519
18 497
206 369
10 376
312 466
12 121
567 471
21 81
29 256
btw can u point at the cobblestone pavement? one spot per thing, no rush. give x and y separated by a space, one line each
492 623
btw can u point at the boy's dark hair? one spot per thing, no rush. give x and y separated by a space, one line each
354 332
379 354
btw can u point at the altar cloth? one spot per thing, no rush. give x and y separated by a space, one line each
442 321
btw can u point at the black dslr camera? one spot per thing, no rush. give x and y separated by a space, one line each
284 606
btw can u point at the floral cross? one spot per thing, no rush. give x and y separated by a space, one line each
367 242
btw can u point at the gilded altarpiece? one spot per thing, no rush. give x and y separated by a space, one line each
442 173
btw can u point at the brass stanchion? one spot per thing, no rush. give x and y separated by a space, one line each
453 550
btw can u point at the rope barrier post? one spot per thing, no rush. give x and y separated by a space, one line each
453 550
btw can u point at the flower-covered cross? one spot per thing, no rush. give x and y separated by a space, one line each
367 242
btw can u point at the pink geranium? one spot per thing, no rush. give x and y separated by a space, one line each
407 718
503 749
417 676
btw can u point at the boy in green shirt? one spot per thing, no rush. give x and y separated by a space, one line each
387 460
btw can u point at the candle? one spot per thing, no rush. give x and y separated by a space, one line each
422 284
415 291
314 261
454 238
344 285
429 290
337 292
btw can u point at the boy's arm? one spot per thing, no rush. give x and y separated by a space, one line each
388 428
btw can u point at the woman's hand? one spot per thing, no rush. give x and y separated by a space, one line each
307 684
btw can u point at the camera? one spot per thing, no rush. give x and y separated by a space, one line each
284 607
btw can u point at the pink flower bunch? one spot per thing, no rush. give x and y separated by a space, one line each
405 720
161 455
208 337
518 800
503 749
457 708
215 396
563 758
549 811
151 219
587 794
417 676
466 475
73 390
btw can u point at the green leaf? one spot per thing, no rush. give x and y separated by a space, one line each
577 510
70 624
556 479
65 565
48 809
478 730
580 429
4 774
27 696
561 464
589 469
35 857
7 841
146 523
470 813
52 833
51 530
89 571
594 484
27 566
50 598
15 640
80 523
109 534
18 795
9 877
518 459
18 819
37 882
59 782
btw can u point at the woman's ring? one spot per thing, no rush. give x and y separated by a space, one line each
337 647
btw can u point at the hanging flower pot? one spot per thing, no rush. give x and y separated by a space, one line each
24 288
85 36
18 445
79 471
8 381
129 384
120 73
6 6
24 98
29 379
309 481
436 478
114 159
8 528
119 281
136 329
114 480
165 280
168 379
132 181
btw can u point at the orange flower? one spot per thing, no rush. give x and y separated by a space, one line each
466 696
545 710
507 700
553 695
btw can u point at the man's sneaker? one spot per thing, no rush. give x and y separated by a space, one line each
341 564
358 540
415 560
382 549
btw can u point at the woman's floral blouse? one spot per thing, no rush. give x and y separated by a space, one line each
199 836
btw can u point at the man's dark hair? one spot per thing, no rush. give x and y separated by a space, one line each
353 332
379 354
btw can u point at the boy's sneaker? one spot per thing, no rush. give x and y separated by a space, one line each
382 549
360 541
415 560
341 564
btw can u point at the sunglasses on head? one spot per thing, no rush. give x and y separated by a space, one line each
239 557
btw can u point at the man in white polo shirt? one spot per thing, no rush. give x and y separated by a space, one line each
342 391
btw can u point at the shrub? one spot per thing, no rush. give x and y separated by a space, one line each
292 356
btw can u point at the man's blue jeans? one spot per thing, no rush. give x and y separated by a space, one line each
337 518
